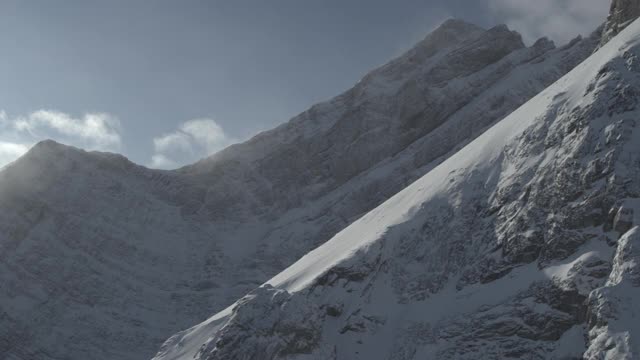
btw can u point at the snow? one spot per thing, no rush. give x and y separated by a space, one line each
571 345
385 227
482 152
133 255
185 345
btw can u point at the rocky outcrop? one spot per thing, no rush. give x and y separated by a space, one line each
622 13
281 325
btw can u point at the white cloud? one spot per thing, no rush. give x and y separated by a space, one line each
177 141
193 140
92 131
560 20
159 161
10 151
95 130
207 133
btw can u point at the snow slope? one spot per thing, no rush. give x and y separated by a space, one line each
521 245
104 259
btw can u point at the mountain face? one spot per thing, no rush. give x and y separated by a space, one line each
523 244
622 13
104 259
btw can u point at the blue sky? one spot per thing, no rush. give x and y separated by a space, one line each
168 82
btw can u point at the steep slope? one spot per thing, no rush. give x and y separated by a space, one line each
333 163
104 259
521 245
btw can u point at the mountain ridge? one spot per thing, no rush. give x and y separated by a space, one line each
523 244
131 255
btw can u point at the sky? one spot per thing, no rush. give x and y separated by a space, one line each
168 82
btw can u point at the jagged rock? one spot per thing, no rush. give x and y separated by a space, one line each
280 325
613 328
623 221
621 14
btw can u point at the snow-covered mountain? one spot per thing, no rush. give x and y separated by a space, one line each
524 244
105 259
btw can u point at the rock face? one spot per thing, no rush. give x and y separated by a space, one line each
104 259
622 13
524 244
280 324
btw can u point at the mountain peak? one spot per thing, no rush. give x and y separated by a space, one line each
458 24
450 30
47 145
504 29
50 150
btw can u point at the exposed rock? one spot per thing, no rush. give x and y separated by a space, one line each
621 14
275 323
623 220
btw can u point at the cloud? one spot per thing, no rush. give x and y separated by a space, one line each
192 141
95 130
92 131
560 20
10 151
159 161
